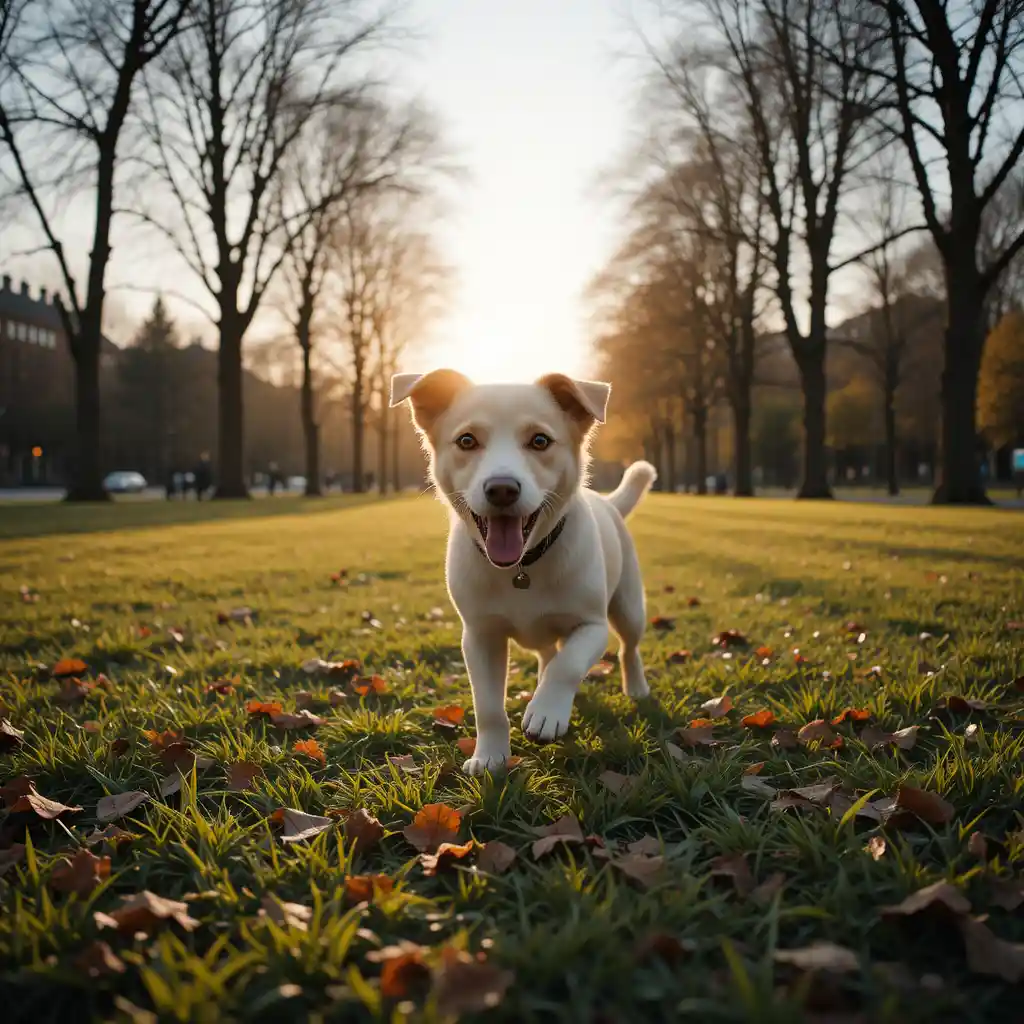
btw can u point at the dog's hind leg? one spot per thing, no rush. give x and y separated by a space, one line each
628 616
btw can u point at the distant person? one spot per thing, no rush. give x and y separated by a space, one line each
171 484
203 477
273 478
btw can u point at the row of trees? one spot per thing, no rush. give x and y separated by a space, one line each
777 131
254 138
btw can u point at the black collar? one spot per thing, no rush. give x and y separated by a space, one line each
536 552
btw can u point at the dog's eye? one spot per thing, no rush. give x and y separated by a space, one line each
539 442
467 442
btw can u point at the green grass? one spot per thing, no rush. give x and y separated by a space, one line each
568 925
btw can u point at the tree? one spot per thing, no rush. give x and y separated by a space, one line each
1001 384
231 103
955 75
68 76
809 123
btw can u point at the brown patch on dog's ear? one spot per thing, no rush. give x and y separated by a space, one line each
584 401
429 394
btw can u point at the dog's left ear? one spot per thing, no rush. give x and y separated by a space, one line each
586 401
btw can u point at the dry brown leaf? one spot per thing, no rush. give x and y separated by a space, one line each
851 715
98 960
729 638
759 719
676 753
310 748
10 738
403 969
69 667
13 791
906 738
244 614
304 719
11 857
403 762
467 984
298 825
962 705
977 846
785 739
142 911
367 888
164 740
287 915
363 830
601 670
242 774
717 707
35 803
433 825
370 684
649 846
663 624
119 804
820 956
818 793
565 830
696 736
817 731
663 946
752 784
940 894
1007 893
495 857
929 807
264 707
223 687
80 874
617 782
73 690
679 657
640 867
876 847
987 954
754 769
765 892
447 854
113 837
734 867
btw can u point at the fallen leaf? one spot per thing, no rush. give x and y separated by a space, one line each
336 698
818 793
298 825
98 960
466 984
168 739
403 762
765 892
242 774
93 727
929 807
11 857
370 684
295 720
13 791
784 801
69 667
244 614
495 857
142 911
759 720
310 748
403 969
717 707
729 638
1007 893
906 738
662 623
676 753
962 705
663 946
876 847
446 855
80 874
565 830
764 652
852 715
366 888
617 782
987 954
697 735
120 746
41 806
785 739
113 837
940 893
363 830
752 784
73 690
977 846
678 657
223 687
450 716
10 738
817 731
820 956
433 825
735 868
264 707
287 915
601 670
119 804
640 867
754 769
693 602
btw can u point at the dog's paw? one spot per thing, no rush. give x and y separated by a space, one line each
546 718
481 765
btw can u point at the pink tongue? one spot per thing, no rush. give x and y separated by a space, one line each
504 539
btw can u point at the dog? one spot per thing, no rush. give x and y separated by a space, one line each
533 555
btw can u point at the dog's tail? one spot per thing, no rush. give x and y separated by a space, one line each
636 482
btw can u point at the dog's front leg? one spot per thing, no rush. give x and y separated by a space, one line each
486 656
547 715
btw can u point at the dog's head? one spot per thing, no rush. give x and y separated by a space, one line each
506 457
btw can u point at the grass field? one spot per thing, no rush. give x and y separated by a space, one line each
893 612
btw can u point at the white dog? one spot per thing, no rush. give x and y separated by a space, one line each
533 555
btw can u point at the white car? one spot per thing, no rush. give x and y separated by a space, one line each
124 481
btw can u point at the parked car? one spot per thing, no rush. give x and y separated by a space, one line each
296 483
124 481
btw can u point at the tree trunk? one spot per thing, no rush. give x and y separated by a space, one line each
87 482
891 474
700 436
670 457
358 430
959 480
396 475
310 427
812 382
231 419
741 448
382 448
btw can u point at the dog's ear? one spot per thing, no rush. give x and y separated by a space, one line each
585 401
429 394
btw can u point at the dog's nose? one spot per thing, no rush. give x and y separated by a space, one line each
502 491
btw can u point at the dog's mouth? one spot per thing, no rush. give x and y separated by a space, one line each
504 537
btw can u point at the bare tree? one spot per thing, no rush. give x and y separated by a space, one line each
68 75
955 73
232 100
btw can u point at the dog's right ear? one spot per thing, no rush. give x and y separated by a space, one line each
429 394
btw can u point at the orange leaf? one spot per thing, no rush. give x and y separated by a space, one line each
853 714
927 806
260 707
433 825
365 888
142 911
753 769
699 735
370 684
759 719
69 667
447 854
162 740
466 745
764 652
693 602
81 874
702 723
404 969
311 749
363 830
452 714
663 623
